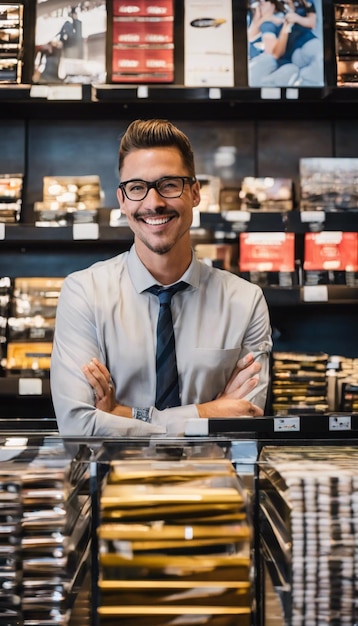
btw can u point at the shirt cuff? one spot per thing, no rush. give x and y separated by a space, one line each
174 419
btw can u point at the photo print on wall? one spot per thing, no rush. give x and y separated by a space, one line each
70 42
285 43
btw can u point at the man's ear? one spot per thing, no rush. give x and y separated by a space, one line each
120 198
196 193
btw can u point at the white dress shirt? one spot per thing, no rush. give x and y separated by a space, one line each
104 311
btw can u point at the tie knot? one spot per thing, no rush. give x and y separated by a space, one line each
165 294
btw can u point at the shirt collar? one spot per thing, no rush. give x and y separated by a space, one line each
142 279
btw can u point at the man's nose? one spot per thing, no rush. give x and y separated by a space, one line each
154 196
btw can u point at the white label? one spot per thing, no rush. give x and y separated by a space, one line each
271 93
214 93
340 422
30 387
313 216
65 92
315 293
237 216
85 231
39 91
2 230
292 94
142 91
286 424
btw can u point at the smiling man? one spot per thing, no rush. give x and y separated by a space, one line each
153 337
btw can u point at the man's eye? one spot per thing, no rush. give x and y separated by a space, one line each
136 187
169 185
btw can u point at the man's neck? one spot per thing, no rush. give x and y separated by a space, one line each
165 268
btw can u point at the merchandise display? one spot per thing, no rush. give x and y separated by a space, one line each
308 530
11 42
174 540
299 383
330 257
30 325
69 200
208 43
268 258
11 187
70 42
346 40
143 42
266 194
298 25
328 184
45 530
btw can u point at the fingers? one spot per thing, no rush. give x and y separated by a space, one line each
239 382
99 378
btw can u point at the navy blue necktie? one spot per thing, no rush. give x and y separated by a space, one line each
167 392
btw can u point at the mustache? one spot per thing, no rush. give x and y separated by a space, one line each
162 212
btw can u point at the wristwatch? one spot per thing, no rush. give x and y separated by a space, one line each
141 414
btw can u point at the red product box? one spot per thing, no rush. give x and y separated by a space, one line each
143 8
267 252
331 250
143 31
142 60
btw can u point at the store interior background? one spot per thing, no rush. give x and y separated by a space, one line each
42 138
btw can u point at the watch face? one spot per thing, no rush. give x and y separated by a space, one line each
141 414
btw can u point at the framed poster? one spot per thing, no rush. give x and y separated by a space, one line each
70 42
285 43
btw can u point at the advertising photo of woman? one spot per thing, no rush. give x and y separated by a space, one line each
285 43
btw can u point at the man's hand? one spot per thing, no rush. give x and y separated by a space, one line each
100 380
231 402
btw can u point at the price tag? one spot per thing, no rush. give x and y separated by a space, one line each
292 93
315 293
271 93
288 424
64 92
2 230
85 231
340 422
313 216
237 216
30 387
214 93
142 91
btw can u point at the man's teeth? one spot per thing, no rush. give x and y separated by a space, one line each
156 221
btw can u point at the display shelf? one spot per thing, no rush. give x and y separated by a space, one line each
27 233
329 426
24 386
229 221
108 100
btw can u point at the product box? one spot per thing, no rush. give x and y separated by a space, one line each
331 250
143 42
267 252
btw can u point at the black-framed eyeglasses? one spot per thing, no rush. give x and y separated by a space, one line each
167 187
